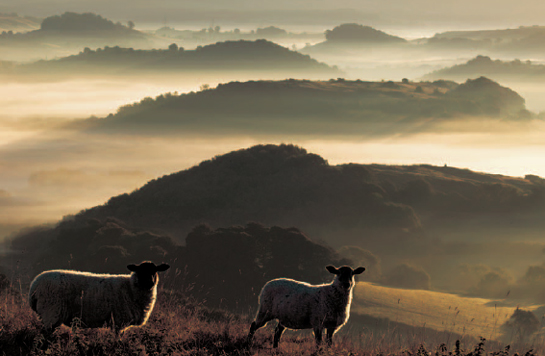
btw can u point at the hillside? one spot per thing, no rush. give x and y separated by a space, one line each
307 108
429 227
352 36
517 41
355 33
232 223
504 34
181 326
15 23
225 57
436 310
499 70
63 33
287 185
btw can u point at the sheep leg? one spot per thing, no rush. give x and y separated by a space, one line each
330 332
278 334
318 335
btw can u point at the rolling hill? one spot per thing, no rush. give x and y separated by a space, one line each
352 36
516 70
521 41
69 32
224 57
15 23
435 310
393 211
303 107
246 203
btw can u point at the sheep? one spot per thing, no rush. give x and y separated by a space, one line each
299 305
118 301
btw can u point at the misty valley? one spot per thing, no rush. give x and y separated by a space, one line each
242 153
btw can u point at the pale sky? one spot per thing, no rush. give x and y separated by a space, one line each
463 14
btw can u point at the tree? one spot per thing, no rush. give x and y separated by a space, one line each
173 47
130 25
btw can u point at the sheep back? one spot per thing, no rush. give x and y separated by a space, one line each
59 296
299 305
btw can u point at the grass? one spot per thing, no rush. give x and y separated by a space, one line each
181 326
439 311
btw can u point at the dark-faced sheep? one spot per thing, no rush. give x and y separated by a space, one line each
299 305
117 301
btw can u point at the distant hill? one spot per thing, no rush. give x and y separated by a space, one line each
76 29
287 186
515 70
71 23
260 55
518 41
305 107
355 33
382 214
15 23
519 33
353 36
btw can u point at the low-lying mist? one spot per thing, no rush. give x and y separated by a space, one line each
50 169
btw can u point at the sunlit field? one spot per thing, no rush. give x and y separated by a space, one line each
476 317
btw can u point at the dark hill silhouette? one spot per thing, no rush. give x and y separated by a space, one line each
522 40
399 213
308 107
241 55
384 208
352 36
77 29
15 23
355 33
71 23
516 70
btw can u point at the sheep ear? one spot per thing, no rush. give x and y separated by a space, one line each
332 269
163 267
133 268
359 270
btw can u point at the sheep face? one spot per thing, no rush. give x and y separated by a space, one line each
145 274
345 275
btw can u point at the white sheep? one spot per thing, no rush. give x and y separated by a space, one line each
299 305
117 301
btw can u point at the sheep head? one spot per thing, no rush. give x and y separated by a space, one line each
146 274
345 275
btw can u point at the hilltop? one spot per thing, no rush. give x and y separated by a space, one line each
283 211
515 70
521 40
359 34
390 210
15 23
352 36
64 33
309 107
259 55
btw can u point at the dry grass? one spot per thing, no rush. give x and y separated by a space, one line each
179 326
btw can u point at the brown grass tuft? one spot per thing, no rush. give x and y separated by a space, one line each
181 326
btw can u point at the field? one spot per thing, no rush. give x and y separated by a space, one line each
181 326
435 310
